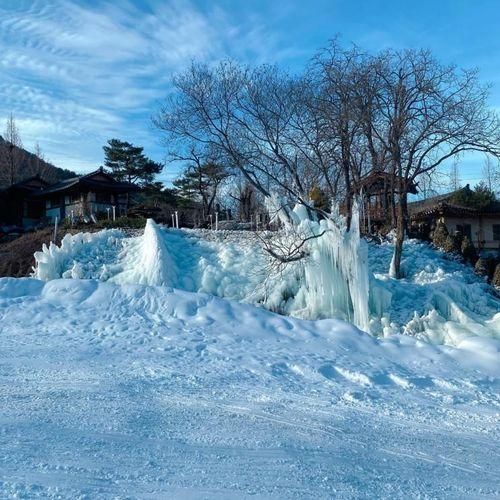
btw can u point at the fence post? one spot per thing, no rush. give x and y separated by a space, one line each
55 230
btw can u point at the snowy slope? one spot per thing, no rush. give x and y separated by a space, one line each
132 391
440 300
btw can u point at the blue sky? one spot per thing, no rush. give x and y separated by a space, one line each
76 73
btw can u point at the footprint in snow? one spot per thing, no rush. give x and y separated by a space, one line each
283 370
328 371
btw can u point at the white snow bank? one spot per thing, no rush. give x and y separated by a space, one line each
136 391
440 299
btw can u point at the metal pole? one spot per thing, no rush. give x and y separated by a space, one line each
173 221
211 226
114 213
216 221
176 219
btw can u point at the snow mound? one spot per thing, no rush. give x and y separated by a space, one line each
114 391
439 299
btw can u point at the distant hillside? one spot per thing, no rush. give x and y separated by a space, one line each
28 165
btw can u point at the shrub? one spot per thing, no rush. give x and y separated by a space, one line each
439 235
495 281
123 222
468 250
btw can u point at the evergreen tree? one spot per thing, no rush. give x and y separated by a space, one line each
128 163
201 183
479 198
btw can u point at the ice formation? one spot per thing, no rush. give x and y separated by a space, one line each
336 273
439 299
79 256
149 263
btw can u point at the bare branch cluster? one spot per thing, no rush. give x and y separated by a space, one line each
348 115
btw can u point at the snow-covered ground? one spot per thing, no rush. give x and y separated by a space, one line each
133 391
113 384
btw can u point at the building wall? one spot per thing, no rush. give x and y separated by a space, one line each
481 230
85 204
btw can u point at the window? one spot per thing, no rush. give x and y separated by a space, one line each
465 229
54 201
496 232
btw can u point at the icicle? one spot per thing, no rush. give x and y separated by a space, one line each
335 276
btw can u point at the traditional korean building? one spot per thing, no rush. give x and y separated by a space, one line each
19 206
32 201
378 191
480 225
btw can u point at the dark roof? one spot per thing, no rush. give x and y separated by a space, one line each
443 205
378 180
29 185
89 182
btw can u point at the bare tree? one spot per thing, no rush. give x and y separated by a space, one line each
245 198
341 106
454 176
491 173
431 183
244 116
427 113
400 112
12 149
39 158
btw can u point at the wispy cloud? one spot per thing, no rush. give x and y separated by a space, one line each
76 74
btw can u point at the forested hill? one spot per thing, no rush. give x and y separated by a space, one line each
27 164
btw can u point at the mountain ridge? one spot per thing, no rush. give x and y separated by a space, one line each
28 164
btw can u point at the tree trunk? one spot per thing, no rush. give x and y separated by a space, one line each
348 198
401 226
11 161
392 203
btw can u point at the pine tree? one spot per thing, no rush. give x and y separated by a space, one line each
201 183
128 163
